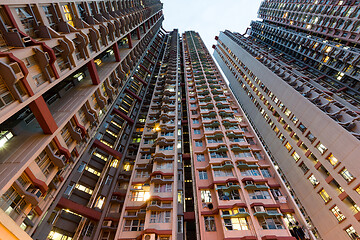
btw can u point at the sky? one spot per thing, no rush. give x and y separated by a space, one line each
209 17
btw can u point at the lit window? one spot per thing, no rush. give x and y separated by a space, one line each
288 146
100 202
352 233
5 136
346 175
83 188
206 196
236 224
337 213
295 156
313 180
333 161
321 147
114 163
323 194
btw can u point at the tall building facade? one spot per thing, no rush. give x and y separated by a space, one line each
113 128
296 75
82 76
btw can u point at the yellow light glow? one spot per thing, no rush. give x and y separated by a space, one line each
157 128
146 196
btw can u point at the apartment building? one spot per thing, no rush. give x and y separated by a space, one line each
295 73
113 128
76 81
238 193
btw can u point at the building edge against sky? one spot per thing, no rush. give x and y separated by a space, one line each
297 80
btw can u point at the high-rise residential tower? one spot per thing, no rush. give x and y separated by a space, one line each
296 75
76 80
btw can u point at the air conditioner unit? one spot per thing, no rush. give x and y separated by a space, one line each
249 182
259 209
149 237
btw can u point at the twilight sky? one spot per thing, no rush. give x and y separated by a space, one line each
209 17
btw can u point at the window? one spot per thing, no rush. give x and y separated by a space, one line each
223 173
218 155
68 15
206 196
294 119
237 139
198 143
180 224
302 128
243 154
160 217
210 224
140 196
288 146
270 222
304 168
265 172
84 189
250 172
324 195
295 156
311 137
134 225
163 188
337 213
203 175
257 155
276 193
346 175
165 165
193 105
352 233
313 180
357 189
197 131
281 137
194 112
333 161
166 148
44 163
195 121
236 224
145 156
200 157
321 148
100 202
12 203
258 194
